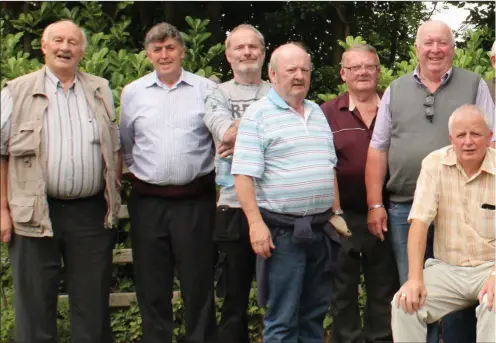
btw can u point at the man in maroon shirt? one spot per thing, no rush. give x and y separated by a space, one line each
351 117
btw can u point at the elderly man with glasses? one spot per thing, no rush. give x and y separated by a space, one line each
412 122
351 117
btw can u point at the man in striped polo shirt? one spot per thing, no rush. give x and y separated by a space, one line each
60 180
283 164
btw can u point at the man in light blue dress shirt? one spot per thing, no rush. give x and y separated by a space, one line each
170 154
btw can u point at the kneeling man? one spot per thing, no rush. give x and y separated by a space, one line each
456 190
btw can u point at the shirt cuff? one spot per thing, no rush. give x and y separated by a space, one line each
379 146
252 173
128 159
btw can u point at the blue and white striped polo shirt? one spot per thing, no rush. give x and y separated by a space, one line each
291 158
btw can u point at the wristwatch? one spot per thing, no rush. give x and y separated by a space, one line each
337 212
373 207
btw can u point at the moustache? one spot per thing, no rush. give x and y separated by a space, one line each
298 83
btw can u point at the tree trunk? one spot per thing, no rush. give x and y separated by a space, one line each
169 11
397 9
340 29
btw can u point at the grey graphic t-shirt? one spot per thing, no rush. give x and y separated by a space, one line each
226 103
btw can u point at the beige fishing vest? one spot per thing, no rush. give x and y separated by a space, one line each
27 161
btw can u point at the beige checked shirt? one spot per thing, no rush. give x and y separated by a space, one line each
464 231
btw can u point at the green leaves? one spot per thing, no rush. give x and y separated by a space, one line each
350 40
197 59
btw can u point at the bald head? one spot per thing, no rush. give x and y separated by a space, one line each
63 25
289 72
287 51
434 26
435 49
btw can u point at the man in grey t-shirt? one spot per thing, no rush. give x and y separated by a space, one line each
245 51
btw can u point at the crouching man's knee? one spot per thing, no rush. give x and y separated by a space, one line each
407 326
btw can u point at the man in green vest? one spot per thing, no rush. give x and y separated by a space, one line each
412 121
60 178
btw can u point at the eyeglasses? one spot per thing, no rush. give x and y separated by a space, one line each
429 106
368 67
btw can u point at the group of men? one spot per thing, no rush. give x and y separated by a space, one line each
292 175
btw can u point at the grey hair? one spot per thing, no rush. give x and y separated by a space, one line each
48 30
468 109
246 27
161 32
452 36
360 47
493 49
275 54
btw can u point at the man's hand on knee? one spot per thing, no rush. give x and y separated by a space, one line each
411 296
489 288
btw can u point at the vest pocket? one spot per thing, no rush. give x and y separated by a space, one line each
22 210
23 142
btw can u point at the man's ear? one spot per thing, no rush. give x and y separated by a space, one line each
272 76
43 46
342 73
227 57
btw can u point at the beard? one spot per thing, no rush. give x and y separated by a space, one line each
249 68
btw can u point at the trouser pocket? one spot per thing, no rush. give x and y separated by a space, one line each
230 224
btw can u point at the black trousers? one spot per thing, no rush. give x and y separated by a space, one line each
362 251
85 247
168 234
236 263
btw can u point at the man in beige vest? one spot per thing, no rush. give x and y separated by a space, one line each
60 178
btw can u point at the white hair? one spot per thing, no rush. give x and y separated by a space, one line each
493 49
468 110
260 36
452 36
48 29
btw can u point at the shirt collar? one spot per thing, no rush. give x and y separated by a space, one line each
351 103
55 80
276 99
488 164
444 78
185 77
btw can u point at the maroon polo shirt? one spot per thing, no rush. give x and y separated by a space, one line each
351 141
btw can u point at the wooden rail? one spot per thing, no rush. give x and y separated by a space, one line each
122 256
